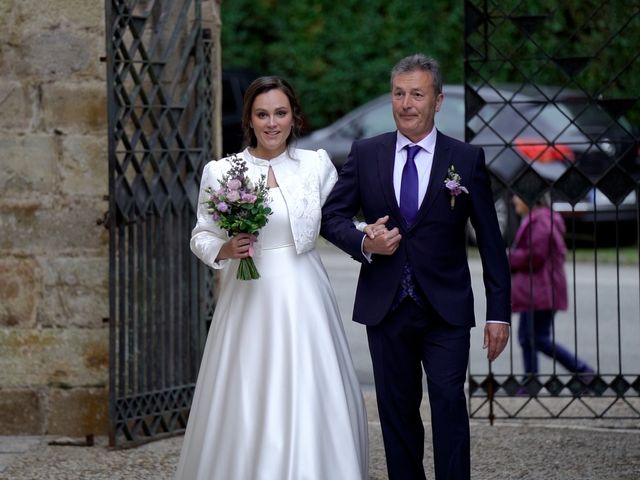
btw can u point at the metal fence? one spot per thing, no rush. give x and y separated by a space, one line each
548 96
159 94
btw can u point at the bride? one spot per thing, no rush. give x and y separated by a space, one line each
277 396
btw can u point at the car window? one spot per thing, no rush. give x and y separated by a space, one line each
549 120
592 118
376 121
508 121
450 118
503 120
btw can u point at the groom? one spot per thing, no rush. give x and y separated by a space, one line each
417 188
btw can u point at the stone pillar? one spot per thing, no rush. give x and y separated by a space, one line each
54 350
53 255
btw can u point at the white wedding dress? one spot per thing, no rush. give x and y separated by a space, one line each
277 396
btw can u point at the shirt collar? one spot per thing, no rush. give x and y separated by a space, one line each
428 143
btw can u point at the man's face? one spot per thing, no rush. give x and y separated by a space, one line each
415 103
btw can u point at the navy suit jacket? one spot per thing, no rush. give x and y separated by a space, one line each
434 245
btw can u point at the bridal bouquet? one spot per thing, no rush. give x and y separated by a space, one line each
240 206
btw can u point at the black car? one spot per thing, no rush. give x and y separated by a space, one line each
571 141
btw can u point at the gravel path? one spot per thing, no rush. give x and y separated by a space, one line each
514 449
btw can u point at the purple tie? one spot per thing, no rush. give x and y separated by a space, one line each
409 186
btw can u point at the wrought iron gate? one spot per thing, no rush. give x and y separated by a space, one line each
159 91
571 61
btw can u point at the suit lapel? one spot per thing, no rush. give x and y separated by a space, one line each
439 167
386 158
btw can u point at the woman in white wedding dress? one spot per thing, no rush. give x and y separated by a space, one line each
277 396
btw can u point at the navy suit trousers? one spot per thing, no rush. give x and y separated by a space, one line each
411 337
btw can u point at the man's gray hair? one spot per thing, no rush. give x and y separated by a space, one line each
421 62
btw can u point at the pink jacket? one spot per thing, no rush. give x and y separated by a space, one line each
538 280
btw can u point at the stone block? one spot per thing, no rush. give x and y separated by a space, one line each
19 291
78 14
53 226
77 412
77 292
52 53
7 7
75 107
20 412
85 162
5 53
28 164
70 357
17 103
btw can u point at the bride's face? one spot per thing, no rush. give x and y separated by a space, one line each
272 122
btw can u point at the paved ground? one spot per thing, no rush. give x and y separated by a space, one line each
527 450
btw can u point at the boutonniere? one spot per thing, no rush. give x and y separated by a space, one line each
452 182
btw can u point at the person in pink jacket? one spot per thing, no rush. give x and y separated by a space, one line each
539 285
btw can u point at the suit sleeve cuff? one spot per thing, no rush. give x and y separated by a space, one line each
366 255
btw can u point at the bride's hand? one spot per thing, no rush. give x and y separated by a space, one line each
237 246
374 229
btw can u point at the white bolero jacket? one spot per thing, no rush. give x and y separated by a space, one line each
305 178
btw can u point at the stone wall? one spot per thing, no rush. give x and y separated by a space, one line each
54 281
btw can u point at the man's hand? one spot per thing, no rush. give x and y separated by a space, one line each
496 336
379 240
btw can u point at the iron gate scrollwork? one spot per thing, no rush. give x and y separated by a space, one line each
571 62
159 89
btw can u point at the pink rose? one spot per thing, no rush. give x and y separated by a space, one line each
451 184
233 196
249 197
455 188
234 184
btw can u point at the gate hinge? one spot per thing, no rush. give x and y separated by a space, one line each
104 220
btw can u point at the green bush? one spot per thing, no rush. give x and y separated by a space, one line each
338 54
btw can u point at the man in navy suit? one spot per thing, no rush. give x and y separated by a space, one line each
416 189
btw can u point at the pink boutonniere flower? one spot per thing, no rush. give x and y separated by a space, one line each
452 182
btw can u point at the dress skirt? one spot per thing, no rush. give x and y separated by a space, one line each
277 397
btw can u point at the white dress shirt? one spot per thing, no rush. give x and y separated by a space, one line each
423 161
